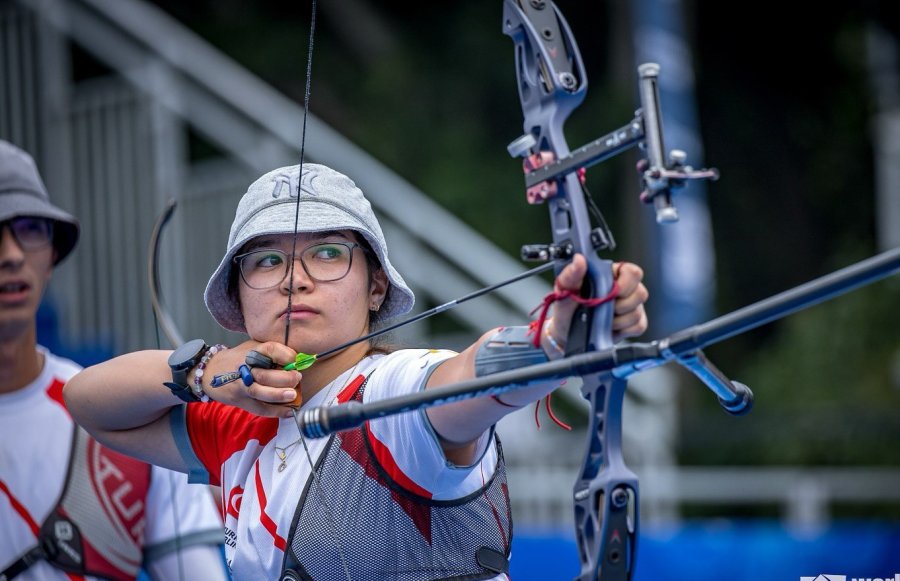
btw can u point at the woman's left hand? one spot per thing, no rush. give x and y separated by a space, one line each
630 317
462 423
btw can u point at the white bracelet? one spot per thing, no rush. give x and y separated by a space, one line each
553 342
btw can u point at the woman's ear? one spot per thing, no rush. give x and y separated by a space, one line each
378 288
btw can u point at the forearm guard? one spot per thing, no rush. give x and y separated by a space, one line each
508 348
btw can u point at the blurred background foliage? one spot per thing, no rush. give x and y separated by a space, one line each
786 112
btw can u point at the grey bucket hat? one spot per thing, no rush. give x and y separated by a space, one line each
22 193
328 200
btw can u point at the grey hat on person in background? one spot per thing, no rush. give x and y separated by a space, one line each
328 200
22 193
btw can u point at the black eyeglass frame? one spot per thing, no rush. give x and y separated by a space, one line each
239 259
29 247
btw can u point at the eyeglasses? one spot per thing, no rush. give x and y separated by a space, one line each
30 233
323 262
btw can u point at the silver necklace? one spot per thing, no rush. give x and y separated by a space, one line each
283 454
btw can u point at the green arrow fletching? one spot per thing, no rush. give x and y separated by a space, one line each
301 362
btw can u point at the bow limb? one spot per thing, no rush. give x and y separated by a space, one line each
163 317
164 321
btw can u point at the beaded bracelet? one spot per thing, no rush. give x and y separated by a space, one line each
197 388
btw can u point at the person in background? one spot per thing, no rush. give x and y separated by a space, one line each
70 507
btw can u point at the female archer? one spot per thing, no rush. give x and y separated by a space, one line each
411 497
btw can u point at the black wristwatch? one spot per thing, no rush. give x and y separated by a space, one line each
181 361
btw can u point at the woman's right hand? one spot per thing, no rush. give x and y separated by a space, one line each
271 390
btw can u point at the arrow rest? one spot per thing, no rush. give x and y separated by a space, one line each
545 252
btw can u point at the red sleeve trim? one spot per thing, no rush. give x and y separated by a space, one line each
218 431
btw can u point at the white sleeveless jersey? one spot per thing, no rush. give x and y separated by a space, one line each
35 440
241 453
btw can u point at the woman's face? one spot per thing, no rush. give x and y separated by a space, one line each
322 314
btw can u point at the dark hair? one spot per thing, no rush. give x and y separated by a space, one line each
381 343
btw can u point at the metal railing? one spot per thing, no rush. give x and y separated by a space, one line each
805 497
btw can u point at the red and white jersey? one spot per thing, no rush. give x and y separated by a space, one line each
242 453
36 434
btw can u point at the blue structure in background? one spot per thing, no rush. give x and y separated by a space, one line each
84 354
732 550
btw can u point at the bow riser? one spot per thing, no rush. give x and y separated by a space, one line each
552 82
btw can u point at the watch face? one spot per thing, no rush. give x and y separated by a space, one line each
187 355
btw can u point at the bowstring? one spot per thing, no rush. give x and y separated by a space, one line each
312 34
287 326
